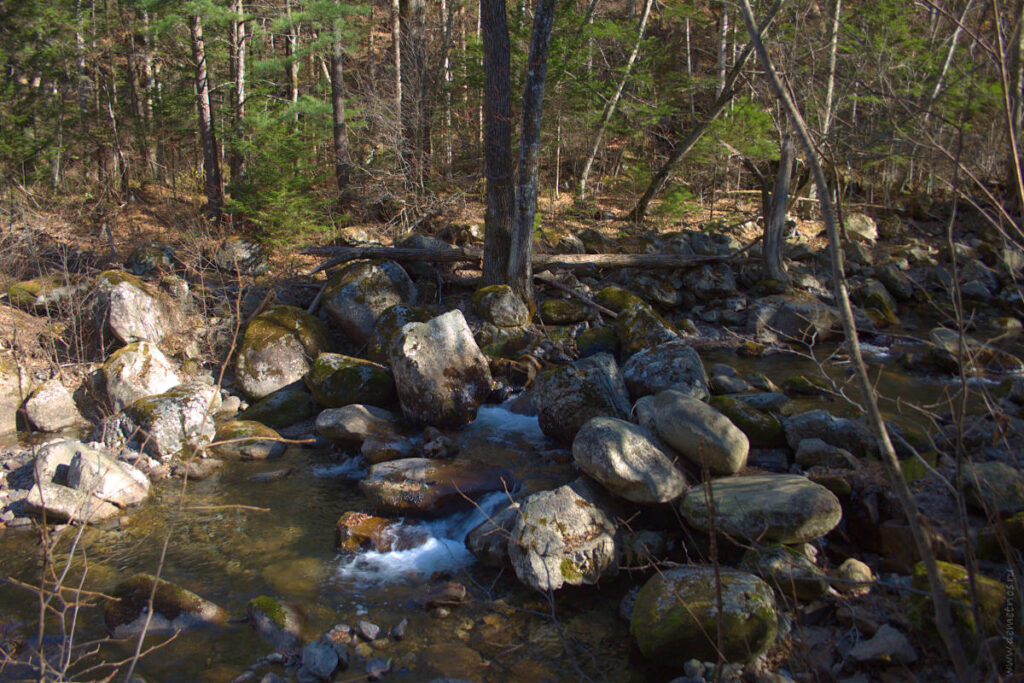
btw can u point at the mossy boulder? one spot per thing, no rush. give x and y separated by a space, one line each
802 385
875 298
42 294
174 608
995 487
764 430
672 365
277 350
675 616
788 571
598 339
564 536
618 299
246 440
281 408
167 424
498 305
360 292
242 256
431 488
568 396
563 311
277 622
641 327
991 599
130 310
390 322
135 371
764 508
336 380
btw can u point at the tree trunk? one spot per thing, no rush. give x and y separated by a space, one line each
684 147
775 217
396 40
497 111
207 136
723 43
341 156
415 90
833 47
291 48
236 161
148 88
520 269
613 103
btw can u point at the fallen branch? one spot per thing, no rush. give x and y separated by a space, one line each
572 292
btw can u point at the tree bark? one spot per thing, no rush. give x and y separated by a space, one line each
520 267
684 147
943 616
236 161
207 136
723 43
291 60
148 88
497 111
415 90
775 217
613 103
396 40
341 154
830 88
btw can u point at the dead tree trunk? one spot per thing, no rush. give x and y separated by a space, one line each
520 268
341 155
497 109
236 160
775 216
207 136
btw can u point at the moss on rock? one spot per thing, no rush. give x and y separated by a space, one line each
336 380
763 429
991 598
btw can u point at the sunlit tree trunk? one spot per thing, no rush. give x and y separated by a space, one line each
341 154
775 216
238 49
207 136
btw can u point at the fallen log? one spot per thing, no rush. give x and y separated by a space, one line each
541 262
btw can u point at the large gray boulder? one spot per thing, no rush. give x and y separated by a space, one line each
431 488
277 350
567 396
498 305
565 536
65 504
675 617
628 460
791 318
840 432
440 373
166 424
700 433
672 365
126 307
358 293
488 541
137 370
242 256
764 508
50 407
94 472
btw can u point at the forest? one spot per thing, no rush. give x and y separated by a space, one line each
622 340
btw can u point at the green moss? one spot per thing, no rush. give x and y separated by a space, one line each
594 340
570 571
388 325
1010 530
109 279
282 408
338 380
801 385
991 598
763 430
641 327
278 321
563 311
618 299
272 609
133 596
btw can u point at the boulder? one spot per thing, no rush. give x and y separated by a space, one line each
336 380
569 395
991 596
618 299
389 324
126 307
672 365
489 540
675 616
351 425
791 318
50 408
174 608
440 373
166 424
431 488
896 281
50 293
64 504
641 327
763 429
356 531
241 256
150 258
387 447
498 305
563 311
277 350
15 385
135 371
276 622
861 226
96 473
764 508
995 488
817 453
837 431
565 536
246 440
708 282
360 292
887 646
281 408
699 433
628 460
788 571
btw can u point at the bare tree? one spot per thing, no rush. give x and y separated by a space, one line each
207 135
341 153
775 216
236 160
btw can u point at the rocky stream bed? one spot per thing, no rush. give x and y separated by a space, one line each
409 480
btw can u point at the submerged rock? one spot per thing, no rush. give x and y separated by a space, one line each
569 395
627 460
440 373
565 536
135 371
277 349
675 616
50 408
764 508
336 380
276 622
174 608
360 292
672 365
700 433
431 488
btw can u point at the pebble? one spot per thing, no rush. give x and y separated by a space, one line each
377 667
440 612
694 668
367 630
320 659
398 630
